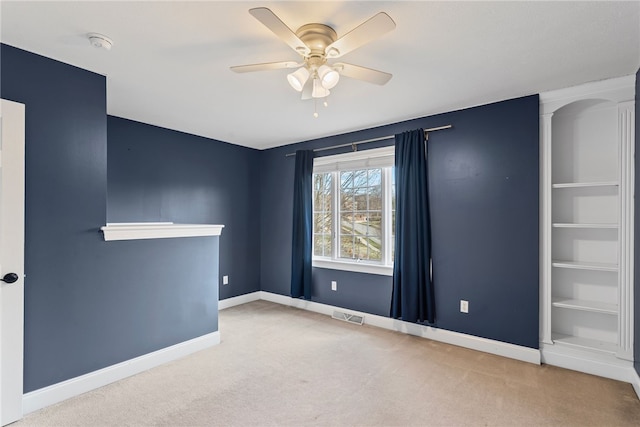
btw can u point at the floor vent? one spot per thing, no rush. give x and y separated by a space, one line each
351 318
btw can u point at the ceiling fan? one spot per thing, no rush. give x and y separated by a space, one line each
317 44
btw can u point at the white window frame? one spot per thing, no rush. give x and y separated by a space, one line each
374 158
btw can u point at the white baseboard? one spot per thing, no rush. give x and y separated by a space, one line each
55 393
602 365
635 382
241 299
499 348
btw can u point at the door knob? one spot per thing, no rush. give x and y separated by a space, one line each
10 278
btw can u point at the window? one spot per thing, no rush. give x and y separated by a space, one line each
354 211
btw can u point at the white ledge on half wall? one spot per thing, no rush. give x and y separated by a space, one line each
157 230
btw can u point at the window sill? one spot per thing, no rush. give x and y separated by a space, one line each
360 267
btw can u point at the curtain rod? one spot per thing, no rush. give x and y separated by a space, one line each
382 138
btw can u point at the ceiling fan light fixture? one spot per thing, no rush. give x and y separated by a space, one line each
317 43
298 78
319 91
328 76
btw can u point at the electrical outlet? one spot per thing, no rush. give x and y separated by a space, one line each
334 285
225 280
464 306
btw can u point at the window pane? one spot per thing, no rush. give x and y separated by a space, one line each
346 179
375 200
327 245
375 224
361 199
322 223
317 245
360 178
361 214
346 223
373 247
322 212
375 177
326 203
346 201
347 247
322 245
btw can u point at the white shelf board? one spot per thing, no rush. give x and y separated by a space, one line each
584 343
583 225
586 184
591 306
598 266
157 230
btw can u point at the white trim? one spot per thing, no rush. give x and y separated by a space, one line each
635 382
55 393
12 194
545 227
626 160
592 363
382 158
239 300
358 267
499 348
375 157
157 230
618 90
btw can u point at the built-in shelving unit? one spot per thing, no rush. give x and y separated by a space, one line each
587 225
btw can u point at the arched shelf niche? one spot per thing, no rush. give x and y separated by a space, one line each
582 147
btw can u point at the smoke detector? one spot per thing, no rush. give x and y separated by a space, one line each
100 41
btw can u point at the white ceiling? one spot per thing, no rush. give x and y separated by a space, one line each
169 65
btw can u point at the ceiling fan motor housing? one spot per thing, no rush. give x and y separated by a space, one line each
317 37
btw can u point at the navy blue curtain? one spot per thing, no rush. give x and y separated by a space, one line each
301 247
413 298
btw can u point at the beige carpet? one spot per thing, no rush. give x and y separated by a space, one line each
282 366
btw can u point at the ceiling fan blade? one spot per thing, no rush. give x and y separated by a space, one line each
307 90
265 66
362 73
280 29
362 34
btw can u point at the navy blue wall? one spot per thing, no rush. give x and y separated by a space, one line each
484 206
89 303
636 303
118 300
156 174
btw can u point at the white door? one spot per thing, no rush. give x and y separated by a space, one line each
11 259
